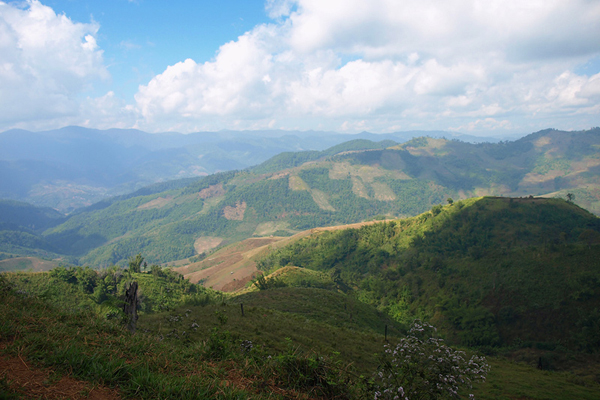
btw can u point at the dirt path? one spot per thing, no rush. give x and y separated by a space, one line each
36 383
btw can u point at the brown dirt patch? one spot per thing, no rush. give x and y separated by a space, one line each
229 268
279 175
156 203
212 191
235 213
205 243
35 383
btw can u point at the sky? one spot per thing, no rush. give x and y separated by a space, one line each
480 67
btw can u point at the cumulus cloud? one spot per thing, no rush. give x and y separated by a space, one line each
46 60
381 65
477 64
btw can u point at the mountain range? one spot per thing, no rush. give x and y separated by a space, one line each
73 167
295 191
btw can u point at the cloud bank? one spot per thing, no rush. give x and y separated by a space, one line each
46 61
486 67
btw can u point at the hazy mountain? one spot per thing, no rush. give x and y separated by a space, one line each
73 167
347 183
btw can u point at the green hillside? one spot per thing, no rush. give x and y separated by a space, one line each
490 271
290 343
351 182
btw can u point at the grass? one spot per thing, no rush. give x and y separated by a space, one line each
324 306
303 345
141 366
270 329
511 380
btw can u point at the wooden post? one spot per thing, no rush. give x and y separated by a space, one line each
130 306
386 333
242 307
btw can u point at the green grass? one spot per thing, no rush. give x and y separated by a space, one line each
273 330
509 380
329 307
140 366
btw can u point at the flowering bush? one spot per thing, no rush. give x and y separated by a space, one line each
421 366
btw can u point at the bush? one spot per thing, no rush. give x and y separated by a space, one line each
421 366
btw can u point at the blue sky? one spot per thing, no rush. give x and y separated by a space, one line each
493 67
141 38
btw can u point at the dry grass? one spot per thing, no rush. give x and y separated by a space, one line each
212 191
296 183
206 243
235 213
156 203
229 268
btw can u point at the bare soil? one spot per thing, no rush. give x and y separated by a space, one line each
235 213
212 191
206 243
38 383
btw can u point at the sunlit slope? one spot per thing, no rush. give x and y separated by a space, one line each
230 268
488 271
352 182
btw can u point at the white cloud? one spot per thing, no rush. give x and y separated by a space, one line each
46 60
477 65
415 63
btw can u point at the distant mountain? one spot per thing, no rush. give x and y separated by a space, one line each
351 182
73 167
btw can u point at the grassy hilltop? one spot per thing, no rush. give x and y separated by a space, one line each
491 271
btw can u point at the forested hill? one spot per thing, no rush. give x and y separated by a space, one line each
351 182
487 271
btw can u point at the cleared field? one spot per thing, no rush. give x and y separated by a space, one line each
269 228
230 268
26 264
205 243
156 203
296 183
321 199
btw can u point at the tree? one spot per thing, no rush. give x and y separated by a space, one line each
421 366
135 263
449 200
570 197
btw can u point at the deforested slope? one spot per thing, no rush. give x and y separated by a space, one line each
352 182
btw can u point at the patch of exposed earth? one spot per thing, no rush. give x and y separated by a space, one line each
38 383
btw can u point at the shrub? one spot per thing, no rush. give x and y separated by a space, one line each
421 366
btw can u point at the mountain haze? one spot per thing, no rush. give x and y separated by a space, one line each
73 167
351 182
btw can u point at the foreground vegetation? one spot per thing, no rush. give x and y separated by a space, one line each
514 279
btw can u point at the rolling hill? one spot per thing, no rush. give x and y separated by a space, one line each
489 271
514 277
351 182
73 167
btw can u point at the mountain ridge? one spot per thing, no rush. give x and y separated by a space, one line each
348 183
